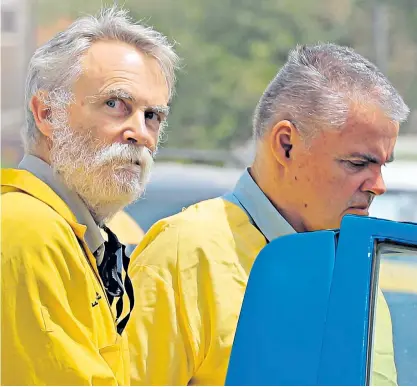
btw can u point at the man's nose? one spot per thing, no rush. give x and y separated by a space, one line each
135 131
375 184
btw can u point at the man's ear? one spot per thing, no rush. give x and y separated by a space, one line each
41 113
282 140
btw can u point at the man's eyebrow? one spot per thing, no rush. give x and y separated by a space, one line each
115 93
122 93
371 158
158 109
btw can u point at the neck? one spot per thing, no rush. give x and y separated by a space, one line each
40 151
103 212
268 175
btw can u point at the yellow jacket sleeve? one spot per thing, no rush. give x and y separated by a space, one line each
157 330
384 372
189 291
43 339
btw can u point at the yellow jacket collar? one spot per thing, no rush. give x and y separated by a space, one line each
24 181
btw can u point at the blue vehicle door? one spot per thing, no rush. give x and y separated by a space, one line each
308 316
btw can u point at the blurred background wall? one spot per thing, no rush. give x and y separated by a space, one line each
231 49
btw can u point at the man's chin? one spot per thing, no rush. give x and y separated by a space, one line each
105 207
111 199
122 197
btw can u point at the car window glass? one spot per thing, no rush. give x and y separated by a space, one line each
393 315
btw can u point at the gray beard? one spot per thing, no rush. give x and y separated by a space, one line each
101 175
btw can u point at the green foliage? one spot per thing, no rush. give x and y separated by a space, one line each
231 49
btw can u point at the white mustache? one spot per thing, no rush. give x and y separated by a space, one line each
123 153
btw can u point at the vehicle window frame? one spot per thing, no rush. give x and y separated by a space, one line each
380 248
347 333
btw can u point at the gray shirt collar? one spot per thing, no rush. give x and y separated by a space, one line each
44 172
260 210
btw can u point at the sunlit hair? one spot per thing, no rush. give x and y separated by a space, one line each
316 86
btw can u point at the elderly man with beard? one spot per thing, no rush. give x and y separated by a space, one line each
324 127
97 97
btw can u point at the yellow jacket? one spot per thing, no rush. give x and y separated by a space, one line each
189 274
57 325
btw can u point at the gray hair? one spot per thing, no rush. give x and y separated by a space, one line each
56 65
314 89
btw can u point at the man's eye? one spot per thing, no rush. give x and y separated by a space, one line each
152 116
114 103
356 164
111 103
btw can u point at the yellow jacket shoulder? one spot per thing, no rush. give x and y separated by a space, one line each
28 223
